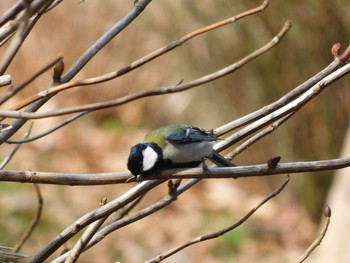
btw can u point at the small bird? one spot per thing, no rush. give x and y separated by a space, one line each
174 146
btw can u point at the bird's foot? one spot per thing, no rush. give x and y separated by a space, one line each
205 167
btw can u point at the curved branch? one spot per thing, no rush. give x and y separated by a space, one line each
155 92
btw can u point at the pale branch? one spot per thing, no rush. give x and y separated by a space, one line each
219 233
261 134
317 242
140 62
134 193
155 92
26 235
338 61
117 224
290 107
214 173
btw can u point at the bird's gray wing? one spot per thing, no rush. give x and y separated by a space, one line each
187 134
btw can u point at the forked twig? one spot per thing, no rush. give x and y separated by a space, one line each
221 232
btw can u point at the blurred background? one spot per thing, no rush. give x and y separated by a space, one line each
100 142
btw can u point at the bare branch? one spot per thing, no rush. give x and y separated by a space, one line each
91 217
291 107
161 91
215 173
317 242
221 232
117 224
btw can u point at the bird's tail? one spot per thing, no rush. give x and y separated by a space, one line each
220 160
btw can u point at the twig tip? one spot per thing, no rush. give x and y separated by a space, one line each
327 211
336 49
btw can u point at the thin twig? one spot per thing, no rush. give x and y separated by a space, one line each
317 242
155 92
35 220
41 135
221 232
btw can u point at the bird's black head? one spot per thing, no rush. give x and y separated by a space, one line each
145 158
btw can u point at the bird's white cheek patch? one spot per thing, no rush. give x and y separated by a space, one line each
149 158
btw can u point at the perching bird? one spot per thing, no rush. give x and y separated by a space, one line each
174 146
